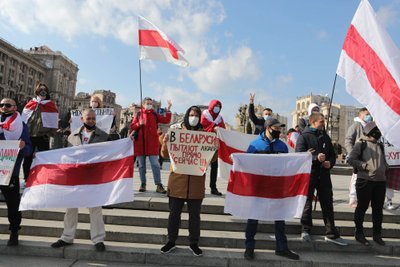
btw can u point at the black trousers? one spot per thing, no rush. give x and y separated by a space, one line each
12 197
374 192
323 186
174 219
41 143
213 174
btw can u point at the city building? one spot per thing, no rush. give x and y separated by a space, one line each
21 70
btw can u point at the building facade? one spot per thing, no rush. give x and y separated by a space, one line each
21 70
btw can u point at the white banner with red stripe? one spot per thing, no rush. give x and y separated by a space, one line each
370 64
48 110
268 186
81 176
232 142
156 45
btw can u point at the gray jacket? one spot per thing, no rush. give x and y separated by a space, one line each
354 133
75 139
371 164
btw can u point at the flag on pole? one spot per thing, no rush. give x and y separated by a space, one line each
156 45
268 186
370 64
232 142
81 176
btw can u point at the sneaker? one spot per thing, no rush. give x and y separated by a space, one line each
389 206
100 247
361 238
214 191
142 188
249 254
306 237
196 250
288 254
60 243
378 239
160 189
338 241
13 241
170 246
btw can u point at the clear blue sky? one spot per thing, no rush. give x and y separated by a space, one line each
277 49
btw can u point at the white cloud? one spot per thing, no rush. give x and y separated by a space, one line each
219 75
387 15
322 35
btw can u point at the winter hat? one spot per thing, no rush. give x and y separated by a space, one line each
310 108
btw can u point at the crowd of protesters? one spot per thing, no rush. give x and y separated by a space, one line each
36 126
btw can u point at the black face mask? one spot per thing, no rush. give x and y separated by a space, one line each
90 128
5 115
275 134
376 134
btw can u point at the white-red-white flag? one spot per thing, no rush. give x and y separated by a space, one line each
370 64
268 186
232 142
156 45
81 176
48 111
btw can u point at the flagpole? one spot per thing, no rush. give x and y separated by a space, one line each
330 104
140 108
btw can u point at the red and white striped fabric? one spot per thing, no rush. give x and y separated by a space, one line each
48 110
156 45
370 64
268 186
81 176
232 142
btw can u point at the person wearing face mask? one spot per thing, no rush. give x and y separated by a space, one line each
12 128
303 122
268 142
368 157
87 134
258 122
185 188
41 116
210 120
353 134
314 139
145 125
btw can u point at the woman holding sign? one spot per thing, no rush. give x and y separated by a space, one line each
185 188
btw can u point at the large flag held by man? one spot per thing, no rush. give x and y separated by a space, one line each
81 176
232 142
268 186
156 45
370 64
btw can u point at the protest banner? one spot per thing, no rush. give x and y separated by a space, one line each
191 151
104 119
8 156
392 156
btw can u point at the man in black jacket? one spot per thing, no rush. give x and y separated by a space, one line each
258 122
315 140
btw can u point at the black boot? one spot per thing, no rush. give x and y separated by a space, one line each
360 237
13 241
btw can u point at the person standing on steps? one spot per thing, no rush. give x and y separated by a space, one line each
145 125
210 120
12 128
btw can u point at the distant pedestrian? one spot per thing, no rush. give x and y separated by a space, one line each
304 122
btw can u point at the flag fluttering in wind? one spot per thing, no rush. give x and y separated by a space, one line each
370 64
81 176
156 45
268 186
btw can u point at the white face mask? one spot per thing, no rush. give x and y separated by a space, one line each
193 120
148 107
94 104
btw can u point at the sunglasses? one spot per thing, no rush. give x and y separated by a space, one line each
7 105
43 93
91 118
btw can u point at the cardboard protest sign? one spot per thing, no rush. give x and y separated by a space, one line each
8 156
190 152
104 119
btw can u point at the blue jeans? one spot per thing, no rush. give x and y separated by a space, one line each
280 236
155 167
